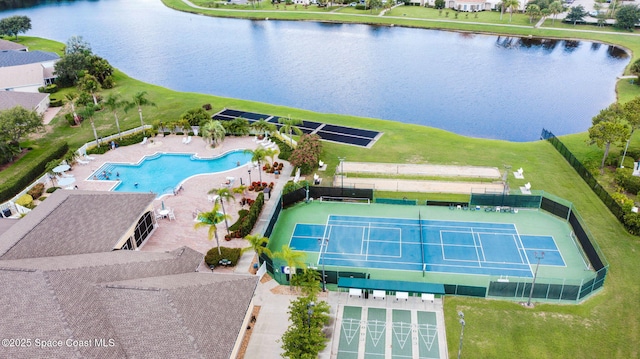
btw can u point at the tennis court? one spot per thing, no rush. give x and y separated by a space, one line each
417 244
388 333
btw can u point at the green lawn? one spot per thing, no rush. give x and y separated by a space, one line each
605 326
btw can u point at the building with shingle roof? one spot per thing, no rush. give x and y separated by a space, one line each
6 45
26 71
17 58
92 301
38 102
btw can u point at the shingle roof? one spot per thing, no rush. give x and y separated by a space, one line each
59 298
16 58
74 222
17 77
28 100
10 45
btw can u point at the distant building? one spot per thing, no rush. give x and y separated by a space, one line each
10 45
462 5
26 71
38 102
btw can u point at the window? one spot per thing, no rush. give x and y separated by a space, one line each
143 228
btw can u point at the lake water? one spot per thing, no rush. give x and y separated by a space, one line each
475 85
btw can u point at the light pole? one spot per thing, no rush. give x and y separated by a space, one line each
538 256
462 323
249 171
341 175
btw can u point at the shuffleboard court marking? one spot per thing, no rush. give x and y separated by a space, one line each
428 334
376 329
350 328
402 332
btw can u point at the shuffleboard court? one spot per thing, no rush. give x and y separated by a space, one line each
401 343
376 333
425 245
349 333
428 335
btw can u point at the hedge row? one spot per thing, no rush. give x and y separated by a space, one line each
245 223
285 149
125 141
33 168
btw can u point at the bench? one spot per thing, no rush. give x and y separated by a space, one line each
355 292
402 295
379 294
428 296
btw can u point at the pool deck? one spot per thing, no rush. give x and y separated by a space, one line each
174 234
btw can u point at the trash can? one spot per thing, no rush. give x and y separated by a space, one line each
267 191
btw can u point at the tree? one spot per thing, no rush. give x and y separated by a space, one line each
71 97
224 194
289 126
139 100
270 153
512 5
101 69
306 155
262 127
258 155
213 132
77 45
608 128
17 122
631 112
627 17
438 4
88 112
211 220
555 8
374 4
14 25
238 126
196 116
113 103
69 68
533 11
576 13
304 338
259 244
308 281
91 85
635 69
293 258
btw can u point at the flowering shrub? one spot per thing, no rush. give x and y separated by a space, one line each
306 155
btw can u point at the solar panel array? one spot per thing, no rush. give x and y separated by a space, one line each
333 133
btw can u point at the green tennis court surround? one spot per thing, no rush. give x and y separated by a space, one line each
483 252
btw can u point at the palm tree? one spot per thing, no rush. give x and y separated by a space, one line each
289 126
71 97
293 258
224 194
258 156
139 100
113 103
262 127
512 5
555 8
88 112
213 132
90 84
240 189
271 153
533 10
258 244
211 219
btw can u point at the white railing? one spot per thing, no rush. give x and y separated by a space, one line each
83 149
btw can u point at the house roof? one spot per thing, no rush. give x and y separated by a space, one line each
6 223
16 58
15 77
74 222
28 100
10 45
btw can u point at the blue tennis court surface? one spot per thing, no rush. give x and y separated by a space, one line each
421 244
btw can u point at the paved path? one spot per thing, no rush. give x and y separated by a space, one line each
395 185
420 170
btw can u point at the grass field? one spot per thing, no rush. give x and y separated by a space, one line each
605 326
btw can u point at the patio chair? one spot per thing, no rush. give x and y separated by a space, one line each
82 162
89 158
172 216
184 140
188 141
144 141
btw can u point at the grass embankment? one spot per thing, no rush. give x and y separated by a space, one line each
605 326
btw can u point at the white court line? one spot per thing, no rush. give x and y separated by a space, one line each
473 235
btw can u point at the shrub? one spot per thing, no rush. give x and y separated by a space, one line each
232 254
627 181
36 191
25 201
285 149
307 153
108 83
195 116
54 102
632 223
70 120
244 224
52 189
34 167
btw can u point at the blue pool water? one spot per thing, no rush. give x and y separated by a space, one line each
162 173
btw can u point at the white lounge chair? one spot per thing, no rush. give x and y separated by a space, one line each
184 140
82 162
188 140
144 141
212 198
172 216
519 173
527 185
320 164
66 175
89 158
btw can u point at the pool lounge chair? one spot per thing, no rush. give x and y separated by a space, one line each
89 158
188 141
184 140
82 162
144 141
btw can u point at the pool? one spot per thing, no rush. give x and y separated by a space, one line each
161 173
